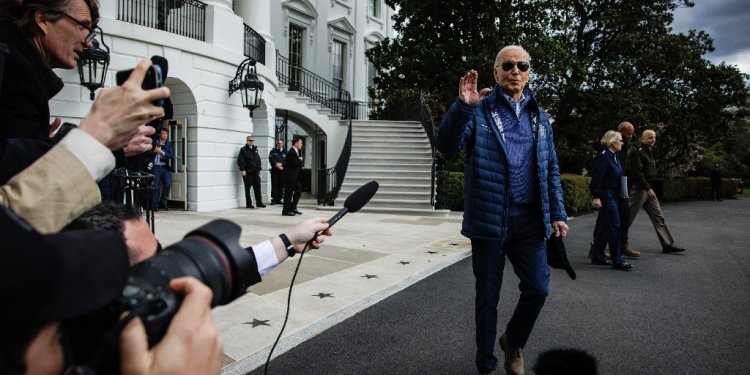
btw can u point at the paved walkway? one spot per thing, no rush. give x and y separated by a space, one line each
370 257
675 314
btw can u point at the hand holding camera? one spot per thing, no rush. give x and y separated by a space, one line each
192 331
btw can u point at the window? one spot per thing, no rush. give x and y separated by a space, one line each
338 54
296 36
373 8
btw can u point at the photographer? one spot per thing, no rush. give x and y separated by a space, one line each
61 184
50 284
53 284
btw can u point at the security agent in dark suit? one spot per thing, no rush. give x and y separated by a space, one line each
277 158
292 184
250 166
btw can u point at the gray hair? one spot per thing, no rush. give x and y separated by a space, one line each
609 137
22 16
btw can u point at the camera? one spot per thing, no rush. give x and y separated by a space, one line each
210 253
152 80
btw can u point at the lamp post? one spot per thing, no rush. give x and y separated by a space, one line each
247 81
93 64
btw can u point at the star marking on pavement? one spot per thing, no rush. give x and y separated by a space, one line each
404 263
370 276
257 322
323 295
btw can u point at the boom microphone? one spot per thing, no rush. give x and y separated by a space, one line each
356 201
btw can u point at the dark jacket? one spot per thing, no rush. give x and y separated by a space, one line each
486 173
641 169
605 174
28 85
292 166
249 159
276 156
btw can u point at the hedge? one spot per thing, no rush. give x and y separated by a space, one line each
577 198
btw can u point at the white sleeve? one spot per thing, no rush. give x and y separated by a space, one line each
265 256
97 158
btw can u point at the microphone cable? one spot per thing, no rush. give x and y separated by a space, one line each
308 245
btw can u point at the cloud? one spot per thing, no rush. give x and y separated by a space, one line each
727 22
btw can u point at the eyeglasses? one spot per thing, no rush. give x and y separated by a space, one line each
91 29
522 65
250 140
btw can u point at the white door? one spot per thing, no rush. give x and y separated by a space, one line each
178 137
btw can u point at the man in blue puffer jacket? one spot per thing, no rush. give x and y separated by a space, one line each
512 198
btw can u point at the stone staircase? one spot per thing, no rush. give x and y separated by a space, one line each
397 155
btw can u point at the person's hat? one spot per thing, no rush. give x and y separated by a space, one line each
48 278
557 257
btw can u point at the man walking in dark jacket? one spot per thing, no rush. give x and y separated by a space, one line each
250 166
512 195
642 172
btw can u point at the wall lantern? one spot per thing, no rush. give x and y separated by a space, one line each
93 64
247 81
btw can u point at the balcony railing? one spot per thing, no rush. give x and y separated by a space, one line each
313 86
255 45
181 17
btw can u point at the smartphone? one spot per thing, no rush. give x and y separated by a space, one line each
152 80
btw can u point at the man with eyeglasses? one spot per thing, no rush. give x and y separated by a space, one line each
41 35
512 196
250 166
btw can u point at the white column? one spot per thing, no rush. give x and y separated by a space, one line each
224 28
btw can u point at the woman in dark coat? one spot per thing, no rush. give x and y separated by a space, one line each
605 187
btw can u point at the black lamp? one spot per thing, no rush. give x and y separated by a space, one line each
93 64
247 80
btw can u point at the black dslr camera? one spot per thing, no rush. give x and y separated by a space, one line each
211 253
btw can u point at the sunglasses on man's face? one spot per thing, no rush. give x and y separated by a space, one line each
522 65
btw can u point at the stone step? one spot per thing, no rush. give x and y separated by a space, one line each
376 165
346 190
384 173
393 210
389 133
392 149
401 203
400 142
357 181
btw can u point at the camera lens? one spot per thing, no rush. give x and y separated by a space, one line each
211 254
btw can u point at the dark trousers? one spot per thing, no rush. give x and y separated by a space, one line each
715 192
163 177
292 192
608 229
277 185
252 179
624 210
525 247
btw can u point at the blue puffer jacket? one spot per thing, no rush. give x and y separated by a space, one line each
486 165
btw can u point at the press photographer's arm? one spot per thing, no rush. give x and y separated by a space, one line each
61 184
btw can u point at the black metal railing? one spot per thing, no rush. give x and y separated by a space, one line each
255 45
181 17
313 86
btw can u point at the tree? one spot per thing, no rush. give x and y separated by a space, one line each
595 63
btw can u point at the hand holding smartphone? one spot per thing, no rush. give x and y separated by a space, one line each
152 80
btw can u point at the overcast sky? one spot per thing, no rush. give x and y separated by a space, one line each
728 23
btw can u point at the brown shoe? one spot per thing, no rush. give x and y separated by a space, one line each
630 252
513 357
606 254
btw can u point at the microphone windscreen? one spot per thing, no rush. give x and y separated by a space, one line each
163 65
361 196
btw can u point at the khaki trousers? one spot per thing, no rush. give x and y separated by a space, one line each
639 198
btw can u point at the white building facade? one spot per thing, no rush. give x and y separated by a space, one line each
314 45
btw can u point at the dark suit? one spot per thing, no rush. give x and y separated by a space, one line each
292 184
277 175
162 172
605 185
249 162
